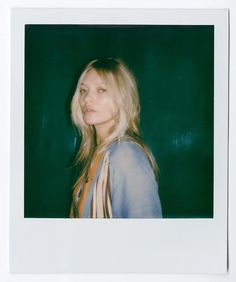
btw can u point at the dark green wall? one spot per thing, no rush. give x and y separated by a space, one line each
174 69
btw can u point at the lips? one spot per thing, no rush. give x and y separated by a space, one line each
88 110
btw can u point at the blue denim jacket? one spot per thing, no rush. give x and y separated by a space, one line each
134 190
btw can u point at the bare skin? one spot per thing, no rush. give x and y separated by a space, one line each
91 174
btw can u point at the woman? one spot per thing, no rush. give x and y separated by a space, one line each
118 176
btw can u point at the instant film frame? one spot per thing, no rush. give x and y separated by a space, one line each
174 69
161 246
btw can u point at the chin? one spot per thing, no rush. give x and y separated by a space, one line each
89 122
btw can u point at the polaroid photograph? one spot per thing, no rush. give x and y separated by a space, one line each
119 140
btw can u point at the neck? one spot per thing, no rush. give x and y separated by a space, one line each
102 132
100 138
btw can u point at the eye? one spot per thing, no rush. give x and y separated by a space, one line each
82 91
101 90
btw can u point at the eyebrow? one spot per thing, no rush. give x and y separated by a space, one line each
82 84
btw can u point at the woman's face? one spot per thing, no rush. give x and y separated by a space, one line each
96 103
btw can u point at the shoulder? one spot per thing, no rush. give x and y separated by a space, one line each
126 154
125 148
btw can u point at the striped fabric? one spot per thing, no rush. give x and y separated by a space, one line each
101 200
101 205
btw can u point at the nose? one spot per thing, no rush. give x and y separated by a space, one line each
88 97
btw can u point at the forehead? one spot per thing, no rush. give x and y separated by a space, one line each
92 77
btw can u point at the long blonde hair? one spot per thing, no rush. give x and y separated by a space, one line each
124 93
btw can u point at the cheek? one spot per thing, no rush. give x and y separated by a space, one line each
81 101
111 107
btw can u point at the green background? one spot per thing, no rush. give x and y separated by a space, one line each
174 67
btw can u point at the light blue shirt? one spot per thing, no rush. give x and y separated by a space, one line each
134 190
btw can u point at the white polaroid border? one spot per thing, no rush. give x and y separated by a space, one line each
134 246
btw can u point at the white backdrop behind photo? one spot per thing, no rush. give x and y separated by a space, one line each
140 245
